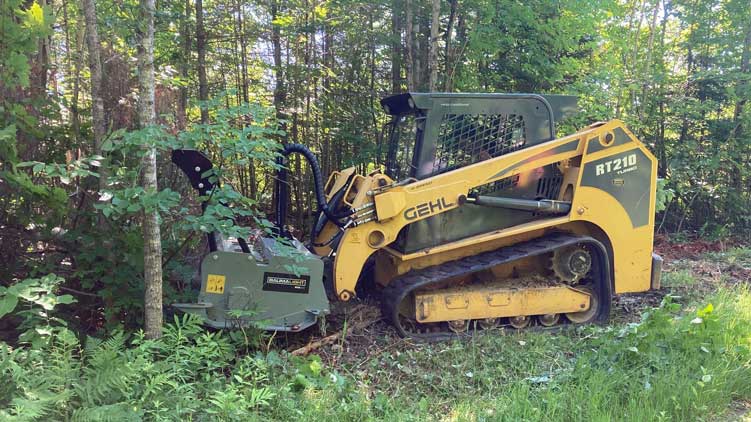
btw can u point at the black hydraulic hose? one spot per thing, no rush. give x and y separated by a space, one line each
321 219
282 197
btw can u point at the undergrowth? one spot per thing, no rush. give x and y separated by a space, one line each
675 364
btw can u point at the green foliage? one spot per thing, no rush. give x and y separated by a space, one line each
664 195
673 364
180 375
37 298
21 29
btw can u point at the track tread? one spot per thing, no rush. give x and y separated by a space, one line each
399 288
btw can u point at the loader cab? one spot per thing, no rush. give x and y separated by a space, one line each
434 133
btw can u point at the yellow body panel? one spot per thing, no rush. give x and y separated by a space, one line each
594 211
497 300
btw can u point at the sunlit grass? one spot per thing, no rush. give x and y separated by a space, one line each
677 364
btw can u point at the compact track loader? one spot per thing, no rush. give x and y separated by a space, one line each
481 218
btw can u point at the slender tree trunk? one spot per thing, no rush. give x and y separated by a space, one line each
75 73
203 85
396 51
410 41
182 112
243 51
328 61
74 110
661 153
40 65
98 117
448 50
435 24
280 94
457 52
152 251
417 54
647 74
743 91
687 90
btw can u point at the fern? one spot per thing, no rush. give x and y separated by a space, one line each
107 376
116 412
188 374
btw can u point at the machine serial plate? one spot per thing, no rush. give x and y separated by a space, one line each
286 283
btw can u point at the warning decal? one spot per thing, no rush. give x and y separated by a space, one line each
215 284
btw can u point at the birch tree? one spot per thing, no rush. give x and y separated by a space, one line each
98 119
152 250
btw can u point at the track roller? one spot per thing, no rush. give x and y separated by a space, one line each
489 323
519 322
459 326
548 320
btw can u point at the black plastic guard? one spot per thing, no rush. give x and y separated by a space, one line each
194 163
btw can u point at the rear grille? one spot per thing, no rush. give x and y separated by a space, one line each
507 183
465 139
549 187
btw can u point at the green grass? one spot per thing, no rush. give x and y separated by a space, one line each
679 278
735 256
679 363
673 365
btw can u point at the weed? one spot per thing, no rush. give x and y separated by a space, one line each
679 278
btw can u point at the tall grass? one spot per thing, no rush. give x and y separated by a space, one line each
676 364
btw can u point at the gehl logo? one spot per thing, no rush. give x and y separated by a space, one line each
427 208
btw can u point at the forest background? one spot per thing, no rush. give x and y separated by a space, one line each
98 228
80 160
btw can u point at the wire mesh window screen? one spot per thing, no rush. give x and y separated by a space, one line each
465 139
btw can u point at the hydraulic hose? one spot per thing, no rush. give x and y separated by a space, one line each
282 199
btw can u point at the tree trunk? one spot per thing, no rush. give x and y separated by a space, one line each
203 85
152 250
279 92
40 66
243 51
435 23
410 41
646 74
457 52
396 51
182 113
417 54
738 129
75 116
98 118
449 52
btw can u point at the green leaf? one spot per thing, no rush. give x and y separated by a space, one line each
8 304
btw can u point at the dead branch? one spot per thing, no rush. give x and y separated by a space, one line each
360 318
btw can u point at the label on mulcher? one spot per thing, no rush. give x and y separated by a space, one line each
286 283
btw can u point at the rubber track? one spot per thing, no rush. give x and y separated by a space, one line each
402 286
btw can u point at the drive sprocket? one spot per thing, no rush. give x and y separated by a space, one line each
571 264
